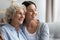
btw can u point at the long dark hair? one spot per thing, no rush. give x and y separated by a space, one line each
27 3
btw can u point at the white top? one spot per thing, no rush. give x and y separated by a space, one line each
29 35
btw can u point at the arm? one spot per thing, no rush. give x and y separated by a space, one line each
44 32
3 34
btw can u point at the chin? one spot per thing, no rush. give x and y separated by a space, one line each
20 22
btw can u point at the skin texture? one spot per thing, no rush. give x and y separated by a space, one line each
31 21
18 18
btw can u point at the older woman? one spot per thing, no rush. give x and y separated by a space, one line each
11 30
34 29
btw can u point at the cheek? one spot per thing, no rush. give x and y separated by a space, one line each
18 16
23 17
35 13
28 15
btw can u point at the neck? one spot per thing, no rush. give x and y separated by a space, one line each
15 25
31 27
31 30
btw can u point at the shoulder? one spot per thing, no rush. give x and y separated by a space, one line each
43 28
4 31
4 28
42 25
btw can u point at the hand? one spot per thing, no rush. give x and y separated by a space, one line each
1 37
32 26
34 23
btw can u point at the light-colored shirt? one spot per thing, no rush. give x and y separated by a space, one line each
9 33
42 32
29 35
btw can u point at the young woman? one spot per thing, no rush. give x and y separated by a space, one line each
34 29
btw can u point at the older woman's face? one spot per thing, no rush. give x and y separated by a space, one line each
31 12
19 16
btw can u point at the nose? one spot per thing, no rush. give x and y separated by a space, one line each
34 13
22 16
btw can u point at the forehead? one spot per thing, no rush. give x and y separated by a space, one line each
31 6
20 10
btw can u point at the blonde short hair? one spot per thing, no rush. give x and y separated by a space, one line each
11 11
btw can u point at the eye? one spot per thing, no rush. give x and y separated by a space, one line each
23 13
30 10
20 13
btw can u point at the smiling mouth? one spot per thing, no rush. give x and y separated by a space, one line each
21 19
33 17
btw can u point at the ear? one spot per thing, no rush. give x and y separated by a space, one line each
11 17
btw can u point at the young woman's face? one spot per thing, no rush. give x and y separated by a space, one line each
31 12
19 16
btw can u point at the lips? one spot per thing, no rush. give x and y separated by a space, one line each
21 19
32 17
